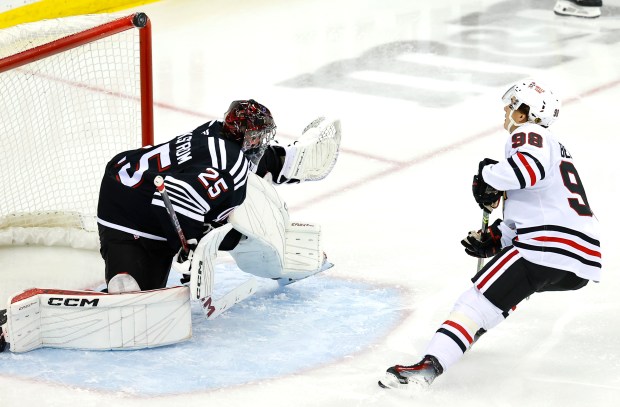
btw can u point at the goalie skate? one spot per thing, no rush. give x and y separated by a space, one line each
290 280
405 377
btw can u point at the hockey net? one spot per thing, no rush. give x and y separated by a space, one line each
74 92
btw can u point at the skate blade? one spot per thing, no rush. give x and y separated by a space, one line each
391 382
286 281
414 384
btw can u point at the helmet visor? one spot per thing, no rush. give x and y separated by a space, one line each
510 98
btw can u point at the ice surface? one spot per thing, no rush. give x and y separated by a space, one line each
417 87
278 331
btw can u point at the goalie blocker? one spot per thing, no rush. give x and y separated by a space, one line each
97 321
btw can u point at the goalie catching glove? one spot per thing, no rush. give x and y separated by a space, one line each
485 195
484 244
313 156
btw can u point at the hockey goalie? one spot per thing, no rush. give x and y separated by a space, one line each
175 206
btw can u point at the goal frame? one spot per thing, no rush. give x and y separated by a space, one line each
59 228
137 20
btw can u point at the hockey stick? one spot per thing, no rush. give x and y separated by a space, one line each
210 306
485 225
159 184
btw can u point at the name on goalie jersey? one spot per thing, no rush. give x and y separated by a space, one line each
73 302
183 149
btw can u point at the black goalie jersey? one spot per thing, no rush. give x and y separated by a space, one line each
205 176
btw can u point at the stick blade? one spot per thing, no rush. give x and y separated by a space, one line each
214 307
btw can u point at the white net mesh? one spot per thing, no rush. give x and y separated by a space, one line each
62 119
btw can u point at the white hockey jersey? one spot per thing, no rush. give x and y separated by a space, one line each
546 211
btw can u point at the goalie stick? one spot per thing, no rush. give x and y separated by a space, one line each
159 184
213 308
210 306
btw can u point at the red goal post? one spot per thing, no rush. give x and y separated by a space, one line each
74 92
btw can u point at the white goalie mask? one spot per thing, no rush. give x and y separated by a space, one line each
544 105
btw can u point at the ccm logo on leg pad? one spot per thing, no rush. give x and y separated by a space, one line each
73 302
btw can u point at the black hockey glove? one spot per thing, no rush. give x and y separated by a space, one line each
485 195
484 244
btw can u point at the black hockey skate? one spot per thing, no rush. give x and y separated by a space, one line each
478 334
578 8
3 320
421 374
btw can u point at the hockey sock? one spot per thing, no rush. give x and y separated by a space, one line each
452 339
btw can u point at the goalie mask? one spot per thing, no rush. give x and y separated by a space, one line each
544 105
251 125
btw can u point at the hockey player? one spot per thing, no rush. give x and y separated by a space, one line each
578 8
548 239
207 181
206 173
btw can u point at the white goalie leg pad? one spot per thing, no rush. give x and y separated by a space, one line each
274 247
313 156
257 256
98 321
262 218
303 254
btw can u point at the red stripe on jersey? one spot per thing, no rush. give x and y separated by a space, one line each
496 268
529 169
460 329
569 243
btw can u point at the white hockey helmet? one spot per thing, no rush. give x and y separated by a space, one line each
544 105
